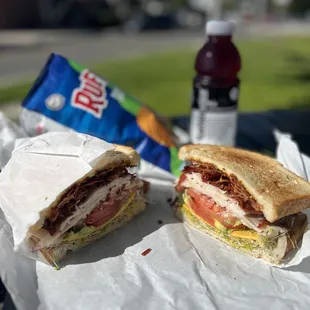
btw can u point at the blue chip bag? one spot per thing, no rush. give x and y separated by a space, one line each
73 97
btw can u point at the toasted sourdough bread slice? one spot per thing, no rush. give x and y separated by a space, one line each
290 240
58 253
279 191
119 157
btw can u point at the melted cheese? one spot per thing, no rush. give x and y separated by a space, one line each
245 234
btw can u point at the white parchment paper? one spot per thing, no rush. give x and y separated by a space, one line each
184 270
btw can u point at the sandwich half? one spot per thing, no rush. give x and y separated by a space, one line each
98 203
244 199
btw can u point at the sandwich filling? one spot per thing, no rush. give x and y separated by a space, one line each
86 207
221 204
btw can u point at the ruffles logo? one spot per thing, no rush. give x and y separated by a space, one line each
91 95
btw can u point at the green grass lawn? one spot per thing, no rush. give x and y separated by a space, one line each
275 74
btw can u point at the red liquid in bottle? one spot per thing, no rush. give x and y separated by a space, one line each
216 88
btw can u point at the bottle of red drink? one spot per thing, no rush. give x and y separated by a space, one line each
216 87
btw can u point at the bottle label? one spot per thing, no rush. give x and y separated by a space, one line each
214 115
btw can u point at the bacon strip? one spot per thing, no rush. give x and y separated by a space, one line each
79 193
230 184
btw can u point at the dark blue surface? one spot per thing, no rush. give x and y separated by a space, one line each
2 292
8 303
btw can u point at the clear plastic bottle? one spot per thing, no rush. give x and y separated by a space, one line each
216 87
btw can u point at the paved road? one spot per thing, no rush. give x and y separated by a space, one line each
22 53
23 59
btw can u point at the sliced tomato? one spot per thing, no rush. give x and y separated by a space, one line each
103 213
205 207
179 187
206 217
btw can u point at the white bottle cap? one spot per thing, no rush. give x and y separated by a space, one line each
219 28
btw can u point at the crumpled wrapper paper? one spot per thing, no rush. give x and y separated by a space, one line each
40 169
9 132
185 269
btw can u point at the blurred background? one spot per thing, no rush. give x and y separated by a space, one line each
148 47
